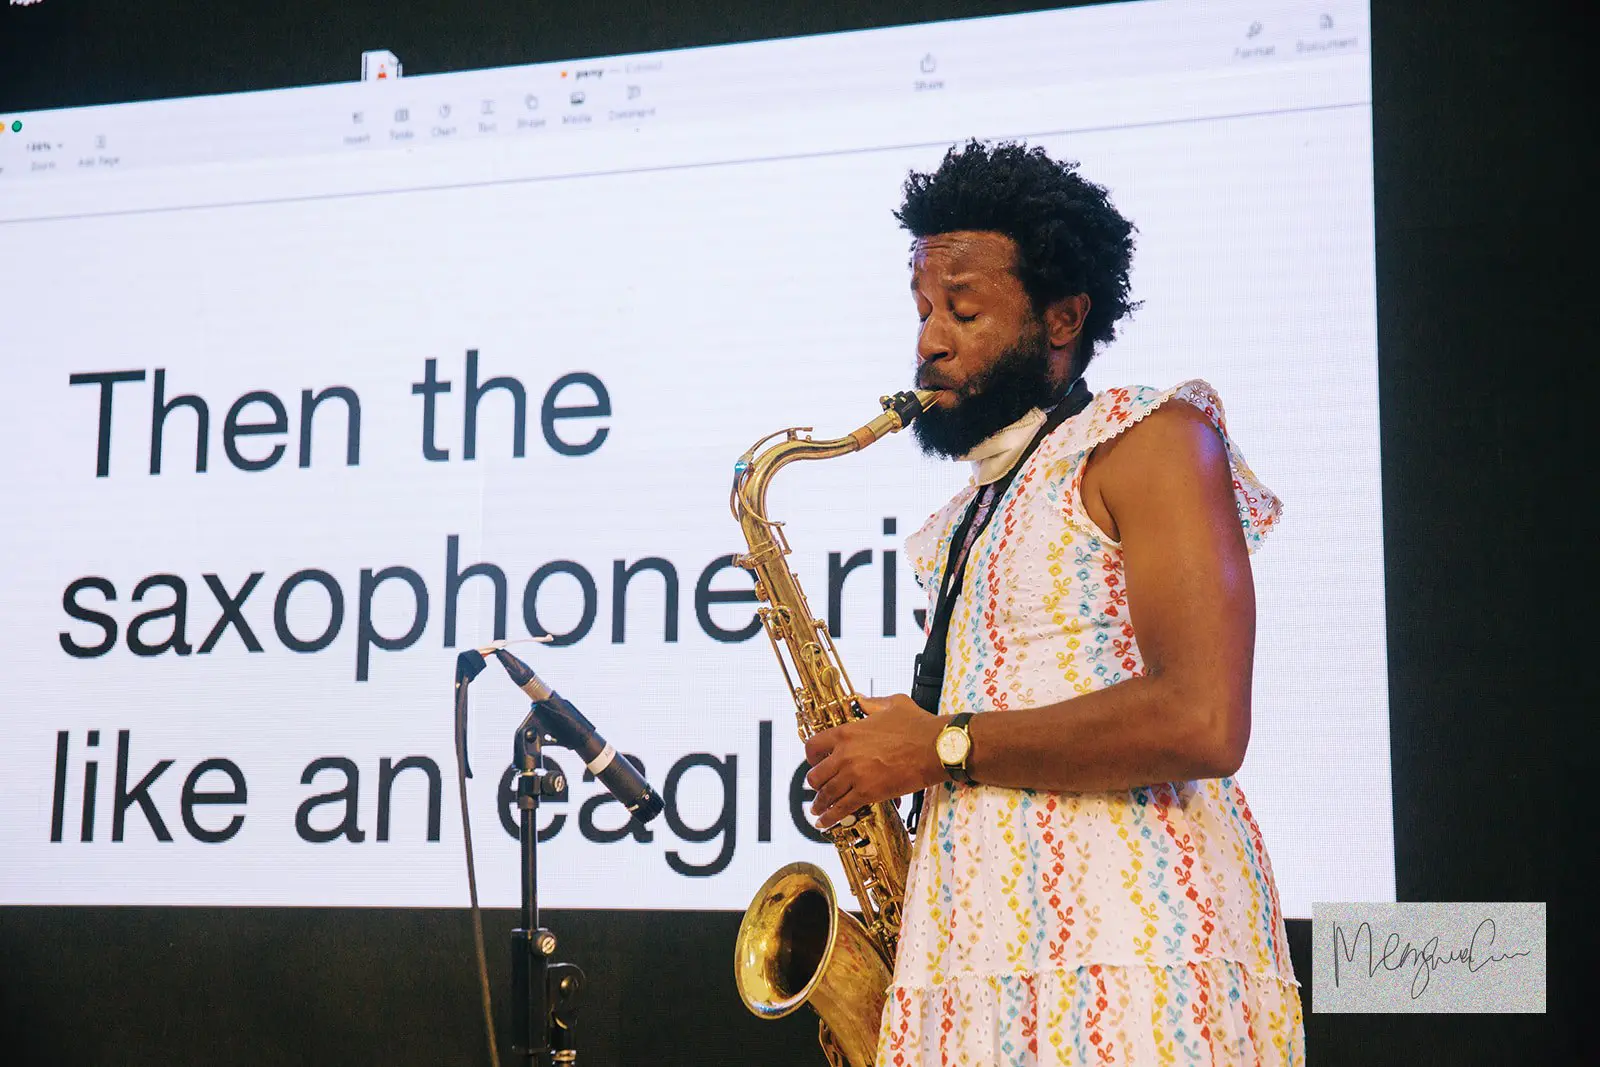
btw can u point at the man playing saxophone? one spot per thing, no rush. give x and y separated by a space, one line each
1087 883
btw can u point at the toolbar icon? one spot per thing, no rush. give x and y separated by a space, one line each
379 65
1254 30
1326 22
531 102
487 108
577 99
633 92
444 111
929 64
402 114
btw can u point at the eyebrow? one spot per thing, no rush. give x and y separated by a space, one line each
950 287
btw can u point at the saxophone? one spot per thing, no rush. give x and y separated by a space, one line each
795 945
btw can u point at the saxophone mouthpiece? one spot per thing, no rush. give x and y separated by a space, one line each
908 404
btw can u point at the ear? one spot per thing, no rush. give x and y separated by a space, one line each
1063 319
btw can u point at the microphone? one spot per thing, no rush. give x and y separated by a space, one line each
570 729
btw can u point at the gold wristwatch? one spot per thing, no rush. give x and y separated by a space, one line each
954 748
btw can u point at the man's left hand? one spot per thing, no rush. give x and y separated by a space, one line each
886 755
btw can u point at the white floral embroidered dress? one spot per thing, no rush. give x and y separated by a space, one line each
1134 927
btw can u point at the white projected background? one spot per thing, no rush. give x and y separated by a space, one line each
716 303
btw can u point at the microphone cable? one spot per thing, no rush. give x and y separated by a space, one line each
469 665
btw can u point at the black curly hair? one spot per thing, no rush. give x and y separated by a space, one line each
1069 237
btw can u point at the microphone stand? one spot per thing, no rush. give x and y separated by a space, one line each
544 994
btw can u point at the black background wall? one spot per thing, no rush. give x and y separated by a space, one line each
1484 150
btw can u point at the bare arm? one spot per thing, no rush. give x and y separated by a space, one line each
1165 489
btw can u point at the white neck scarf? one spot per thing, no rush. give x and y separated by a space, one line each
1000 451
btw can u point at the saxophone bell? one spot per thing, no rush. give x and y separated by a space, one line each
796 947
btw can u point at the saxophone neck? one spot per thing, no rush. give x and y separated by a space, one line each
755 469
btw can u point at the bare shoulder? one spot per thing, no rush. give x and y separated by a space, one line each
1172 452
1175 428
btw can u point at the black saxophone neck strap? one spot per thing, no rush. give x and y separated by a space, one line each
928 677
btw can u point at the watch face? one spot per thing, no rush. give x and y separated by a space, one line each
952 745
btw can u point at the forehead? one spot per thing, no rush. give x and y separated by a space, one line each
962 258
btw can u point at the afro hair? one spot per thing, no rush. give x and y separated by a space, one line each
1069 237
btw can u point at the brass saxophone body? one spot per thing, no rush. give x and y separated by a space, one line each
795 945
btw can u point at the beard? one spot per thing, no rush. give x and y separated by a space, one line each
1018 382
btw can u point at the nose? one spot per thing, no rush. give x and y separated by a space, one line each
933 343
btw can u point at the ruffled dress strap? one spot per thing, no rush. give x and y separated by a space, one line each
1115 410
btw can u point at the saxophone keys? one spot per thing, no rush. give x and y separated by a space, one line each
776 621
